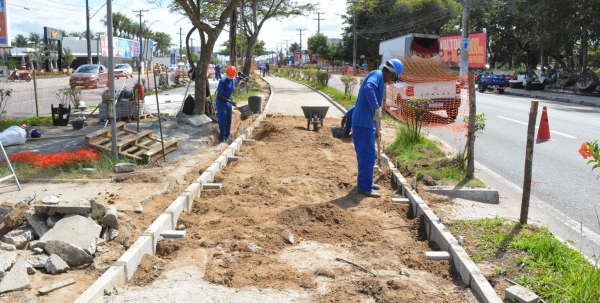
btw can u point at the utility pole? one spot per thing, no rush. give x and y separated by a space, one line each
87 21
319 21
111 79
300 43
464 55
354 48
180 53
140 63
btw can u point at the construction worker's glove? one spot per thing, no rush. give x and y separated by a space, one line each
377 116
377 139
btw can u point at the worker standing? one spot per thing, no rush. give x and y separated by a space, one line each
225 100
267 67
366 114
218 72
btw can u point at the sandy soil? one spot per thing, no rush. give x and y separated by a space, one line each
303 182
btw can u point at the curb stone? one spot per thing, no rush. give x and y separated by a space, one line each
123 270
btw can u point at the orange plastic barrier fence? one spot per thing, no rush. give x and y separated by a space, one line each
59 159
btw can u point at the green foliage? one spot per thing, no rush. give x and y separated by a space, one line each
68 56
35 38
4 97
414 110
163 80
552 269
294 47
12 63
591 150
318 44
214 61
349 84
68 95
32 121
19 41
323 77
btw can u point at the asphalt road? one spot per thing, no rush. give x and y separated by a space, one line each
566 189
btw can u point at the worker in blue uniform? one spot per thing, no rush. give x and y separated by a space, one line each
224 102
347 120
218 72
367 112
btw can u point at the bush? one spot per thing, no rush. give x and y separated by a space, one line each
349 84
414 110
323 77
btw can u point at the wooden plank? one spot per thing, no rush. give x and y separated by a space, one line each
133 138
169 146
102 131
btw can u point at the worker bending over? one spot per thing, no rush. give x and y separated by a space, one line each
347 120
224 102
367 112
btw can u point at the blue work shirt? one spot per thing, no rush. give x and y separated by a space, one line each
225 88
218 69
369 99
350 112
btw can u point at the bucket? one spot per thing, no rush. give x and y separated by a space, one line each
255 103
245 110
338 132
78 124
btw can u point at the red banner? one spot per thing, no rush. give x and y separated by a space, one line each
450 50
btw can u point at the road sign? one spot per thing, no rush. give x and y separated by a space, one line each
466 44
172 58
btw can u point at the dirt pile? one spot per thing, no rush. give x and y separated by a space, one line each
148 271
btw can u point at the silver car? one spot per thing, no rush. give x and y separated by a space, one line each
123 70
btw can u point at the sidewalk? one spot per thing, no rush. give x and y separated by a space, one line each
290 96
555 96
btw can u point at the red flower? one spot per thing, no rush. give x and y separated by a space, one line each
585 152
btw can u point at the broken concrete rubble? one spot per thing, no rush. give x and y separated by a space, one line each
16 218
7 259
79 207
53 219
73 238
111 216
51 199
9 209
16 279
18 239
38 222
71 254
7 247
56 265
38 262
124 167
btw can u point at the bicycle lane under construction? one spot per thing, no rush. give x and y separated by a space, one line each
287 224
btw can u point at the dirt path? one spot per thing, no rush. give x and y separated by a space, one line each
303 182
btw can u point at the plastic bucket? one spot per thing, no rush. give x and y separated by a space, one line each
245 110
255 104
77 124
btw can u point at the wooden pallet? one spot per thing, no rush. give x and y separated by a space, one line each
141 146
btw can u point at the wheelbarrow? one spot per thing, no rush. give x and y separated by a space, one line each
315 115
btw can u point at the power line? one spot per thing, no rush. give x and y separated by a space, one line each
66 3
319 21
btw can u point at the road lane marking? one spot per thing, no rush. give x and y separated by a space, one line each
552 131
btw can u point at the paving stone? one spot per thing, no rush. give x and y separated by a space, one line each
124 167
56 265
198 120
38 261
71 254
7 247
55 286
7 259
16 279
78 230
38 222
520 294
110 217
51 221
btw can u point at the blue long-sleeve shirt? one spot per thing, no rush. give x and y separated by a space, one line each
370 97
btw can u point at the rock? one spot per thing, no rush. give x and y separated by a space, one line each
38 262
38 222
120 215
6 209
38 250
252 248
7 247
16 218
98 209
170 125
7 259
429 181
124 167
17 278
181 115
404 271
100 242
36 244
198 120
30 270
73 239
71 254
54 199
112 233
51 221
56 265
89 171
19 240
181 227
111 216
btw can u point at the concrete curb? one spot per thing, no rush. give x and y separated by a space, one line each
438 233
559 99
124 268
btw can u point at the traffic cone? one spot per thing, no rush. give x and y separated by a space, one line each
544 131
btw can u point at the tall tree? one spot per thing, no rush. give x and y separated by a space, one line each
20 41
317 44
260 11
294 47
35 38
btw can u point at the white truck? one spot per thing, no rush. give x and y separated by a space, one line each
410 46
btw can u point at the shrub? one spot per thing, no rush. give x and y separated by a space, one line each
414 109
323 77
349 84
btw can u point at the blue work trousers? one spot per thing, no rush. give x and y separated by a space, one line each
224 116
218 75
366 153
264 72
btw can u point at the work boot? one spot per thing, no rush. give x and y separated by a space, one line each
370 194
376 186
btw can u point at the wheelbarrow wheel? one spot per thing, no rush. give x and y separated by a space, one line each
316 126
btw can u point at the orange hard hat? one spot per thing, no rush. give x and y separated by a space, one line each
231 72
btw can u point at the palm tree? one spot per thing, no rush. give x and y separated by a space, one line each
20 41
118 23
75 34
68 57
163 42
35 38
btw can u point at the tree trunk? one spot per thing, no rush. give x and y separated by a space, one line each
187 49
249 52
232 39
584 47
201 74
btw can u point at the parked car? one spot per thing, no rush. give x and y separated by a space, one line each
123 70
89 75
172 68
492 82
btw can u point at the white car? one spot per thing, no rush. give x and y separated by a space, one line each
123 70
172 68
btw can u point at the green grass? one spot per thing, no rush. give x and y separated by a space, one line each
105 167
549 267
426 158
345 100
32 121
92 106
163 89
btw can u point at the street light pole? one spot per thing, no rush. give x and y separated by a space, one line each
111 78
354 48
87 21
464 55
180 53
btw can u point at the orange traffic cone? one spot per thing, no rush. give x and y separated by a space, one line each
544 131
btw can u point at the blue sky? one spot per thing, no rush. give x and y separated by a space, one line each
69 15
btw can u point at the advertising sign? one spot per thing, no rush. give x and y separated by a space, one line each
104 46
53 33
4 41
173 58
450 49
122 48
